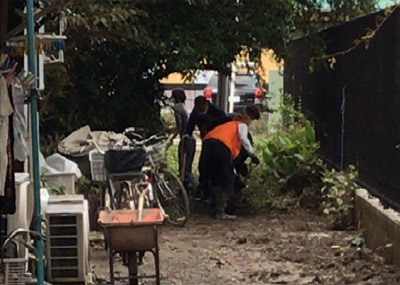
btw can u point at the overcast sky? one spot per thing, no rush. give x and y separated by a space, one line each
384 3
381 3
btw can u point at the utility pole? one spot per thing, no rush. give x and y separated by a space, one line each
223 92
232 88
35 139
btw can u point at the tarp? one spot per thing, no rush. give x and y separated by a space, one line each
77 143
62 164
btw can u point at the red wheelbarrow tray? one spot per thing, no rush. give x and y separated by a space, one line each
123 232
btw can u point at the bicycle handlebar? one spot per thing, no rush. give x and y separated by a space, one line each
144 143
156 138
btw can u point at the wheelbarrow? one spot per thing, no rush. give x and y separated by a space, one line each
132 234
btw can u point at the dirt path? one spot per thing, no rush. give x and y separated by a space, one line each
294 248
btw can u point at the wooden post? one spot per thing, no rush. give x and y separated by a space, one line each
3 17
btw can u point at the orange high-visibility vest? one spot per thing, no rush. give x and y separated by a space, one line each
228 134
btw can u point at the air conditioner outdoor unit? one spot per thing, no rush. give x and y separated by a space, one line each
67 239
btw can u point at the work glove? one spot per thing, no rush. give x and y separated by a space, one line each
255 160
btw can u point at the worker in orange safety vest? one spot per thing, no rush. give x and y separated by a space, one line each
220 147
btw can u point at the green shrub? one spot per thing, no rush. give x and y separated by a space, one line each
172 159
290 152
289 164
291 149
291 173
338 196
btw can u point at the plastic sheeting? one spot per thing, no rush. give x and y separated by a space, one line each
62 164
77 145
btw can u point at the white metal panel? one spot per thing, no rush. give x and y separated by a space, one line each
67 241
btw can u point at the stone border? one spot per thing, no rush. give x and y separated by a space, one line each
381 226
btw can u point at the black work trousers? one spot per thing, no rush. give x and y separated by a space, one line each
217 167
187 149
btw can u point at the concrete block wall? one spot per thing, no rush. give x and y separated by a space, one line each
381 227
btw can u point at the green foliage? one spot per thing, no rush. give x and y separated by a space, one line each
357 240
43 178
289 161
338 196
109 93
263 193
119 50
172 159
292 149
260 127
86 186
289 152
59 189
292 174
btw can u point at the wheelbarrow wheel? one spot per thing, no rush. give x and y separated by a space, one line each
133 268
173 198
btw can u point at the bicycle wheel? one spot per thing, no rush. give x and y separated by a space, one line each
173 198
123 195
117 195
133 268
109 201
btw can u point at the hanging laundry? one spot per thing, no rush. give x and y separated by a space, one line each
21 151
6 110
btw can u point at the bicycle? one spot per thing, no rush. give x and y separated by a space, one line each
162 188
150 184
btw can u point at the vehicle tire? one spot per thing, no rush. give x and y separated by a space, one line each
133 267
173 198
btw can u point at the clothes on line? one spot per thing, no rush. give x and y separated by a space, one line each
6 110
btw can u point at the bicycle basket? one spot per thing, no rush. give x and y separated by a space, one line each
158 153
122 161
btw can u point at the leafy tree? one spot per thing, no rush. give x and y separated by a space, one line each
118 51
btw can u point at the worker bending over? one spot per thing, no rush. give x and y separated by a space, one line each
202 115
220 147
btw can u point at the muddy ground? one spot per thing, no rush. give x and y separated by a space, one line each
292 248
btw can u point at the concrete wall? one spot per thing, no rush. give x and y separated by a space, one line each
381 227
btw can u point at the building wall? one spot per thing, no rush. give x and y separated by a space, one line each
268 63
174 78
275 94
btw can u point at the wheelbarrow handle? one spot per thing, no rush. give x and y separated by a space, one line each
141 204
